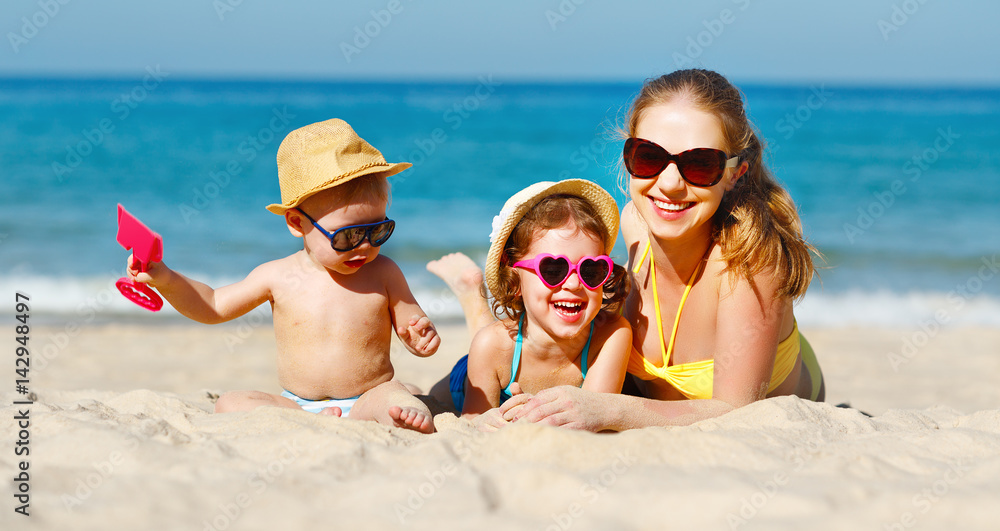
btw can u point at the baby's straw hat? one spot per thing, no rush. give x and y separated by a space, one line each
520 203
323 155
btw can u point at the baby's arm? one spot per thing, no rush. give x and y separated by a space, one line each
201 302
607 372
412 325
482 391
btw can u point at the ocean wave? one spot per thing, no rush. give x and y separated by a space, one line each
898 309
95 299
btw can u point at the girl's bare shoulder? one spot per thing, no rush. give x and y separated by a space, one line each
607 324
497 337
492 349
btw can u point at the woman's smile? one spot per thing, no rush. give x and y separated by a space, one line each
671 210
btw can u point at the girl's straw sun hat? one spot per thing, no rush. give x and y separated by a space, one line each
323 155
520 203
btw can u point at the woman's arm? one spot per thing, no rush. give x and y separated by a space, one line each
749 325
572 407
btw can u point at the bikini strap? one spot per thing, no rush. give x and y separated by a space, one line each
586 350
515 363
638 265
667 351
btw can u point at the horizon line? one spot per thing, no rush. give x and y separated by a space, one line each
848 83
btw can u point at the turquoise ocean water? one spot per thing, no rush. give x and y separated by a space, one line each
899 188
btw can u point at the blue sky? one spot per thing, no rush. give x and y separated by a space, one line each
898 42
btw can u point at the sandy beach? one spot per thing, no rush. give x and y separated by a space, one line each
121 435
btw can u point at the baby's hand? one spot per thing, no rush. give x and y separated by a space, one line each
420 336
153 269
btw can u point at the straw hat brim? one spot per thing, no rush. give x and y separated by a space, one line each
385 169
520 203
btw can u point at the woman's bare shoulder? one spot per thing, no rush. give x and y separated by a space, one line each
633 226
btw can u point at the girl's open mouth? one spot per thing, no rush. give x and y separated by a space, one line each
569 310
358 262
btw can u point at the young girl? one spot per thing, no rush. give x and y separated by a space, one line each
555 291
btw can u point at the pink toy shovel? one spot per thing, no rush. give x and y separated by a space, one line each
146 246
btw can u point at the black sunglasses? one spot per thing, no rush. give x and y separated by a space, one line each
702 167
349 238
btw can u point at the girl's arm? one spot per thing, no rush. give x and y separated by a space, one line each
200 302
412 325
607 373
482 391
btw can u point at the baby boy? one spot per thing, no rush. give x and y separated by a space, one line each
337 301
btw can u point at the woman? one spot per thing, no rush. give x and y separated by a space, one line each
716 256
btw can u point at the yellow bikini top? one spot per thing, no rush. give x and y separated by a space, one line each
694 380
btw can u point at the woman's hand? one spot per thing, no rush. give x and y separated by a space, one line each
565 405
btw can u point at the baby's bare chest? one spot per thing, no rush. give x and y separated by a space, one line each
332 307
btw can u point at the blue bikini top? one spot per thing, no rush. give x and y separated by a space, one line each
515 364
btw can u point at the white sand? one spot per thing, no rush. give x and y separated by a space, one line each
122 437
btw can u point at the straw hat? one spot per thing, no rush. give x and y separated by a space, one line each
520 203
323 155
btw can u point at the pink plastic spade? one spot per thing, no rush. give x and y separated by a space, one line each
146 246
